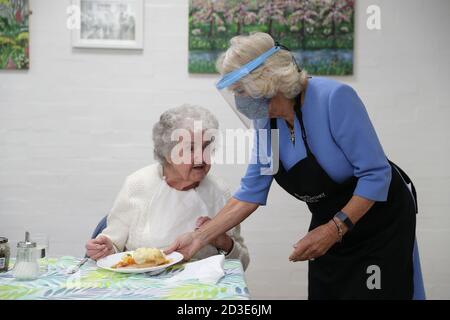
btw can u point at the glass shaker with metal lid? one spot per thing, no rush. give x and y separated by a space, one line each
4 254
26 266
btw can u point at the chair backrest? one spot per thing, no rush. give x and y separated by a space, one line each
101 225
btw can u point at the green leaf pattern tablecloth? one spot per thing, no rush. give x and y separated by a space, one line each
94 283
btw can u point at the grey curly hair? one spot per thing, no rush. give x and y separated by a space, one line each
181 117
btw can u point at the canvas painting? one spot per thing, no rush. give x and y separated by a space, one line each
318 32
14 34
109 24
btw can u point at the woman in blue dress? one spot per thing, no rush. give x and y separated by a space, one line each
362 232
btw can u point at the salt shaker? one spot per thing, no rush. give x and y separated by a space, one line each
26 266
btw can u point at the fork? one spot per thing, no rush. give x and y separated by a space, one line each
75 268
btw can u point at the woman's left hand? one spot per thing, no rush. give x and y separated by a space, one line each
316 243
223 241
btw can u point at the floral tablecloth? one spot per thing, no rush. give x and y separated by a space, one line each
91 282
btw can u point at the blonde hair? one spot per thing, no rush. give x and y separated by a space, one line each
277 74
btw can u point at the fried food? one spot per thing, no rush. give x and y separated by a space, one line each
143 258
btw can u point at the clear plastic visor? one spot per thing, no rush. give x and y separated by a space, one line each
228 85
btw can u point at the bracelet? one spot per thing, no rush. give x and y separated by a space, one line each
339 230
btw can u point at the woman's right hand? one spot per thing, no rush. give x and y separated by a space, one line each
188 244
99 248
233 213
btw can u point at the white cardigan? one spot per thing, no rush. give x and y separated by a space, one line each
149 213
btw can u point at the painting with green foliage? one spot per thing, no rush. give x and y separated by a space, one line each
14 47
318 32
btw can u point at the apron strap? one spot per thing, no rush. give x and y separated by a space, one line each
407 181
298 112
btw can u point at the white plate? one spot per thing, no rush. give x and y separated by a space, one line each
109 261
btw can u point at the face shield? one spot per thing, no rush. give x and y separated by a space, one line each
248 109
245 107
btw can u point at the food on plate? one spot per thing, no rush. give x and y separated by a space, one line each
142 258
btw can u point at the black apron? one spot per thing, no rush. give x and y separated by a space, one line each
383 237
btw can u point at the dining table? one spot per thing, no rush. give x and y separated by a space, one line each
92 282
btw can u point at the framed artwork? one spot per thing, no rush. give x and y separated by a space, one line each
318 32
14 34
117 24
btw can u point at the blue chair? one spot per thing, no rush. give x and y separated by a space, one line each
101 225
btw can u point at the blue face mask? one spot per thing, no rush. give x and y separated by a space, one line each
253 108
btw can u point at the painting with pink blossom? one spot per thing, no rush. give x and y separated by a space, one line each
14 34
318 32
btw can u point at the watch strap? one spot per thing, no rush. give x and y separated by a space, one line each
344 219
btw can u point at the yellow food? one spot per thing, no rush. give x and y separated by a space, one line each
126 261
142 258
148 255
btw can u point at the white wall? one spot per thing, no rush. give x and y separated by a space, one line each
75 124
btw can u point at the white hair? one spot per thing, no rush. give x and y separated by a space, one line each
278 73
181 117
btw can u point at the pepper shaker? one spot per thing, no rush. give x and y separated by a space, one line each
4 254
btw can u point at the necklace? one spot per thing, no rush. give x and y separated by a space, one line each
292 131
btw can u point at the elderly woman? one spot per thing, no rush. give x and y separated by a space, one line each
162 200
361 237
